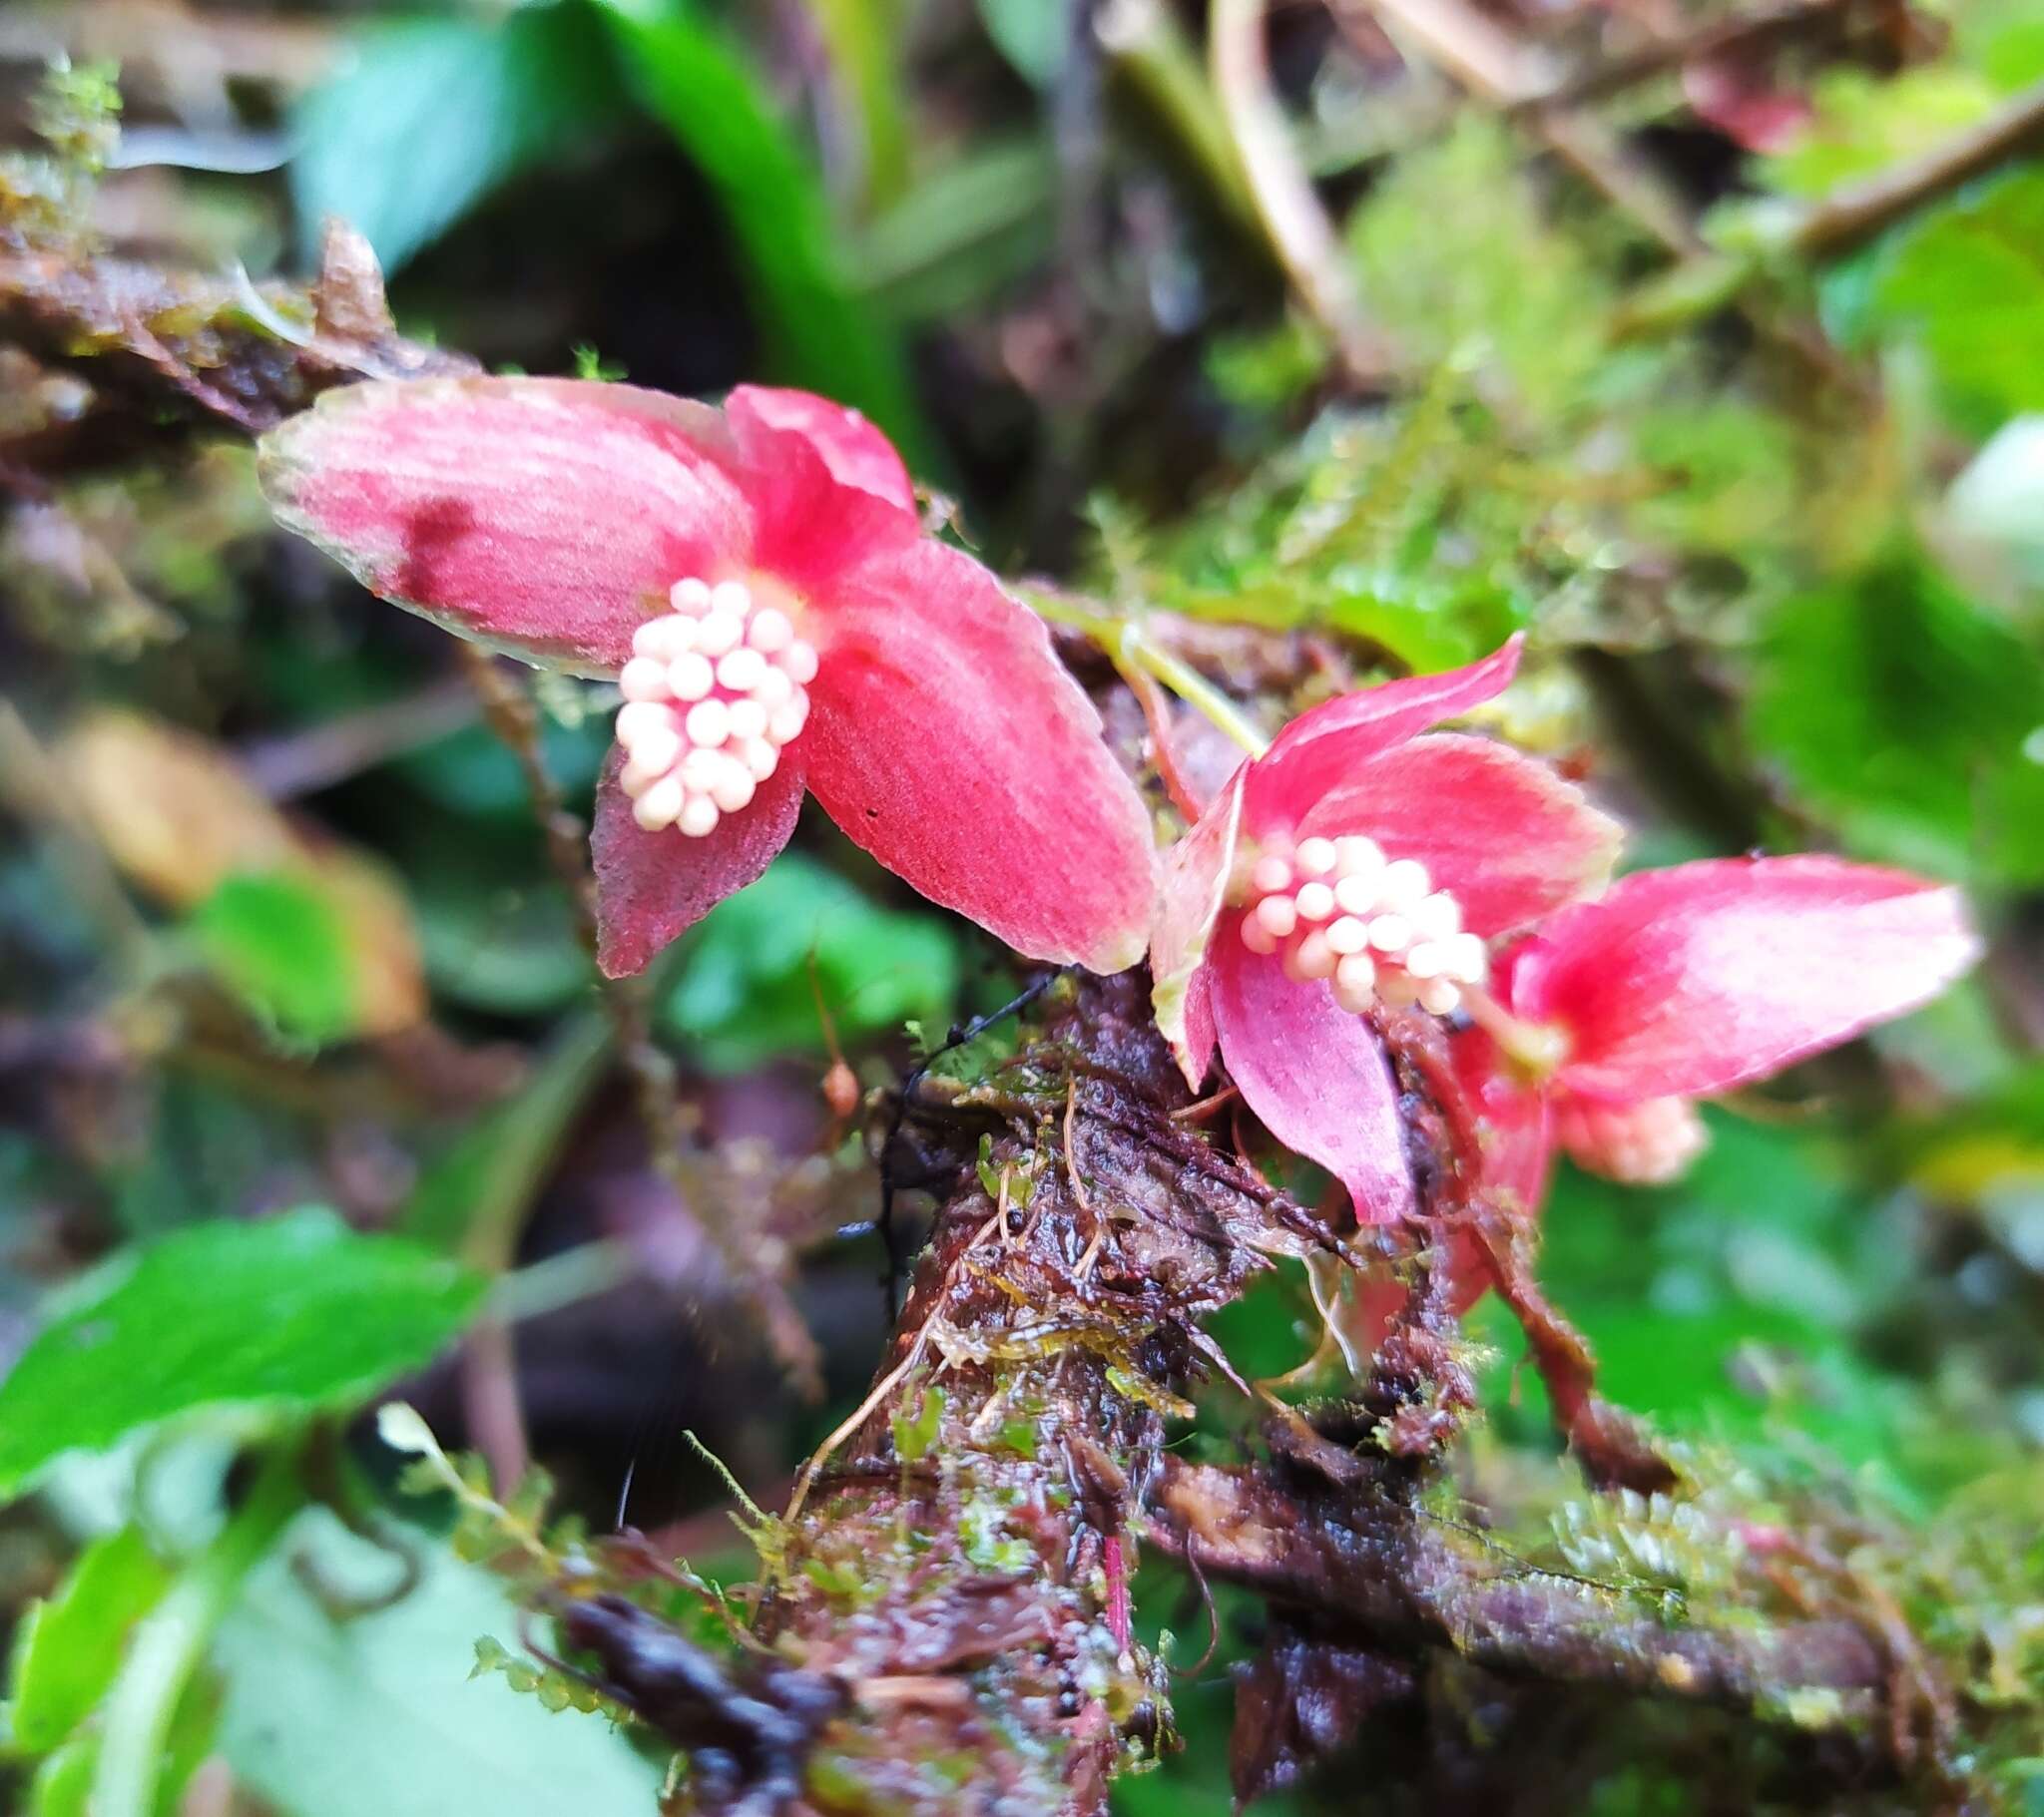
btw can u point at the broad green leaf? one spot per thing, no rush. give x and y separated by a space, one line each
1965 283
744 993
278 942
377 1715
62 1786
1899 708
817 333
431 114
297 1313
68 1648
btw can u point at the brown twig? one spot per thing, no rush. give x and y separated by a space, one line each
1293 217
318 756
1491 64
1381 1574
490 1408
1711 39
1854 213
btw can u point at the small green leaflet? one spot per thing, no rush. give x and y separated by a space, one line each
297 1313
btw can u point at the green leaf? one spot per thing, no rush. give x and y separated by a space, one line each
377 1716
744 994
297 1312
816 332
63 1783
1029 33
971 227
1965 283
68 1648
281 945
432 114
1901 709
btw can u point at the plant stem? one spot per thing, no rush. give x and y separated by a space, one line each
1152 55
1132 650
1136 650
170 1640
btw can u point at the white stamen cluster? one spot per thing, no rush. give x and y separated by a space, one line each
1375 927
715 690
1646 1143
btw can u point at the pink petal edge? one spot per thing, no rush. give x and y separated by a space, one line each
1703 977
1319 747
1188 902
542 517
948 740
1317 1077
856 453
1509 839
651 887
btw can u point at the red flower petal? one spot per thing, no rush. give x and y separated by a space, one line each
808 482
652 886
1498 829
1316 1076
1320 747
1195 885
1696 979
948 741
856 453
544 517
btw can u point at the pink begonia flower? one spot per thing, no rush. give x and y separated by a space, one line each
1680 984
759 583
1361 860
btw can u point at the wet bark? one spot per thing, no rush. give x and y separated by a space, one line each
960 1565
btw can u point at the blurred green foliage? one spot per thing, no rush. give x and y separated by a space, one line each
802 945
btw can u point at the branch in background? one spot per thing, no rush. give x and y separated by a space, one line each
1384 1574
1517 79
316 757
1713 39
1299 226
1851 216
169 353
